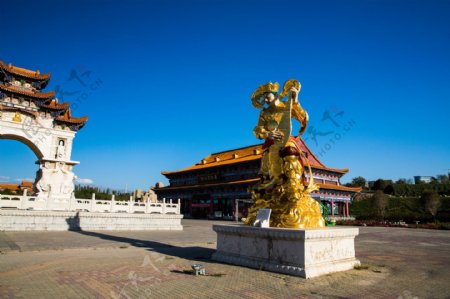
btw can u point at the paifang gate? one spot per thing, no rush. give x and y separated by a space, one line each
36 118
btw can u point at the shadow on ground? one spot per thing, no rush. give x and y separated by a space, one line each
192 253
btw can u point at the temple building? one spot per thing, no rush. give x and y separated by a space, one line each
36 118
214 185
17 188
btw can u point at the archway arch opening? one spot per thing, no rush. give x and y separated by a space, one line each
18 167
31 145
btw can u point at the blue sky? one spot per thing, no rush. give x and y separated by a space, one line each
175 79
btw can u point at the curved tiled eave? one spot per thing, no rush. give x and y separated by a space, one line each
25 73
22 92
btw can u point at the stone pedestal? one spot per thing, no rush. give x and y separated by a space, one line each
55 179
301 252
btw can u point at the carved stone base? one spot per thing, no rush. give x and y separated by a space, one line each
55 179
306 253
16 220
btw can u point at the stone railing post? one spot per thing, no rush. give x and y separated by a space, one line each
92 203
147 207
164 206
131 204
23 200
113 203
178 206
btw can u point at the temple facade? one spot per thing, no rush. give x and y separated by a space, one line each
214 186
35 117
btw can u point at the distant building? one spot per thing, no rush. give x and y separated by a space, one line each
212 186
18 188
423 179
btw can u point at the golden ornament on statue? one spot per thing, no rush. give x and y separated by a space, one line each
284 187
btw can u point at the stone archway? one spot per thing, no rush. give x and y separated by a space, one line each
29 143
47 127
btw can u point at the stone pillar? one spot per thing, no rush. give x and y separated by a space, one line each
332 207
211 206
236 210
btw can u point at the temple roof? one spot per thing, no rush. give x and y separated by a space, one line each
45 100
27 184
25 73
54 105
29 93
338 187
17 187
67 118
12 187
209 184
250 153
254 180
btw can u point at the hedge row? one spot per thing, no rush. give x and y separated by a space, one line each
408 209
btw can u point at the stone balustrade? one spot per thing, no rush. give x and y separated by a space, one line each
25 202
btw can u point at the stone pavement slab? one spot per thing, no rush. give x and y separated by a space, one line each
194 231
397 263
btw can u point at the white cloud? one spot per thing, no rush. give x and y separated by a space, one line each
4 178
85 181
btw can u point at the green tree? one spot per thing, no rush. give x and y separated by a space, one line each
7 192
389 189
432 203
380 202
358 182
401 182
442 178
379 184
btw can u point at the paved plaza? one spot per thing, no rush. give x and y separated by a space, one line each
396 263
